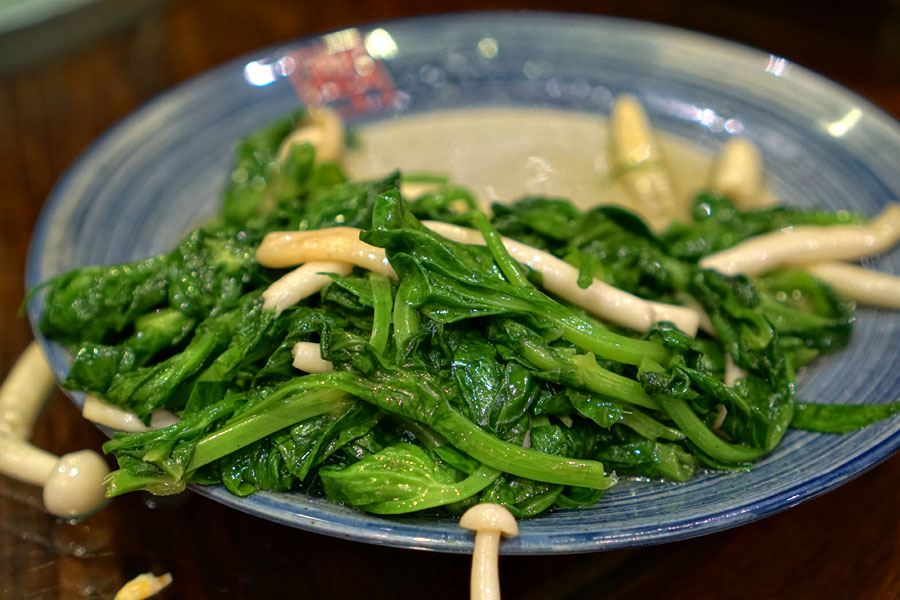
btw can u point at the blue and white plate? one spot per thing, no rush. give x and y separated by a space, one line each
160 171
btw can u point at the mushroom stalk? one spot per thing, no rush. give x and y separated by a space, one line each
323 129
302 282
23 393
732 371
104 413
738 174
281 249
485 583
489 521
863 285
808 244
640 159
73 483
24 461
308 358
599 298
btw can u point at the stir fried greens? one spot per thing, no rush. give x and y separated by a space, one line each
460 381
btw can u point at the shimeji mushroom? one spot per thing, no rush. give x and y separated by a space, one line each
599 298
102 412
860 284
636 154
143 586
808 245
73 483
302 282
323 129
738 174
281 249
488 521
308 358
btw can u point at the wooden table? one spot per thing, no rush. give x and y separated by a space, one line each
843 545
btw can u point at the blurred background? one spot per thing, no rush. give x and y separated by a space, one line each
69 69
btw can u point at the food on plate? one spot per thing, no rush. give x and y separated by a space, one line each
636 153
738 174
398 353
799 246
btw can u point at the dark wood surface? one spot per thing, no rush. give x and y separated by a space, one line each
845 544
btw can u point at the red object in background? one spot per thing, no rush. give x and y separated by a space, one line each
340 74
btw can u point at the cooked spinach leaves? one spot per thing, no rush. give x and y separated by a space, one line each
462 380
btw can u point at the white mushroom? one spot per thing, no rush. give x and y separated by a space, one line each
73 483
689 302
143 586
732 371
644 175
599 298
102 412
281 249
74 488
24 461
488 521
414 189
287 248
323 129
863 285
24 391
738 174
808 244
302 282
308 358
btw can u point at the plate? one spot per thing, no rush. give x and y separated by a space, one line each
160 171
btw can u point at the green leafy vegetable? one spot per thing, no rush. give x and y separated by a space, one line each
399 479
461 381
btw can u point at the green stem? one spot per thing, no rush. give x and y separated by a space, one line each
523 462
649 427
606 344
579 369
406 317
266 420
700 434
383 306
399 398
597 379
510 268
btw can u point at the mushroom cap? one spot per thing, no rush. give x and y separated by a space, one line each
488 516
75 488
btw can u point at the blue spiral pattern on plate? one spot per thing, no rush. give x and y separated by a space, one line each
160 171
